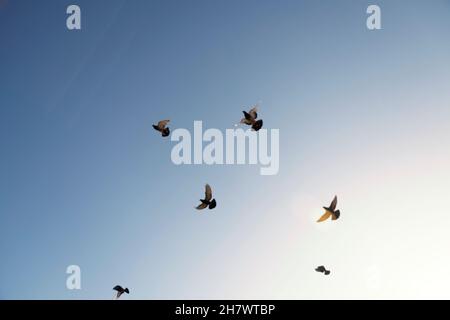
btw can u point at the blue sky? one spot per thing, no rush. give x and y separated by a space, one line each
85 180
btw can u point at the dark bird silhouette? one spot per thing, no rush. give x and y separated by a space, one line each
208 201
161 127
250 119
323 270
330 211
120 291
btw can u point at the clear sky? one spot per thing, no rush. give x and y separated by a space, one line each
85 180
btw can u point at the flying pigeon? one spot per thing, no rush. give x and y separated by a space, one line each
207 202
120 291
250 119
161 127
330 211
323 270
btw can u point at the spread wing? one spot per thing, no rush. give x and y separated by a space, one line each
201 206
118 288
333 204
246 121
320 268
208 192
325 216
247 116
254 112
163 123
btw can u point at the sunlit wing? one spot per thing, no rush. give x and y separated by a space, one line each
325 216
254 112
